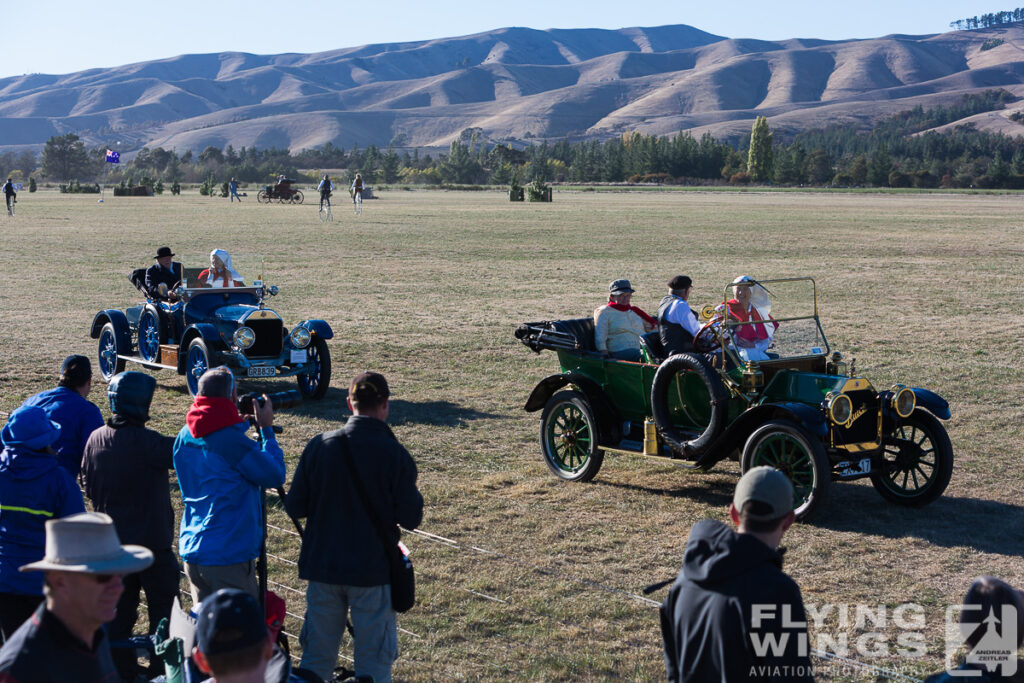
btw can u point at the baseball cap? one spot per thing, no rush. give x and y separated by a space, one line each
768 486
369 387
229 620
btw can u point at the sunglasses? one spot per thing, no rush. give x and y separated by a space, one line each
103 578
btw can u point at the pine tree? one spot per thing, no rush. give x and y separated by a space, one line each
759 157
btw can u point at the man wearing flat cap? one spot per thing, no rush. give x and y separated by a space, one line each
163 276
677 325
618 325
342 556
731 596
33 489
64 639
69 406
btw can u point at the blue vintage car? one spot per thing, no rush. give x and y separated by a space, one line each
208 327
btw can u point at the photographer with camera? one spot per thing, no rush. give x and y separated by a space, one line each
222 473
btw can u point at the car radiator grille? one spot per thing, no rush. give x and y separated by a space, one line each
865 427
269 338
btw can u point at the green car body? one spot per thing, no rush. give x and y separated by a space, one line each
802 409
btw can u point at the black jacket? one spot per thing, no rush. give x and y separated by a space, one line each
340 545
706 620
43 649
125 467
674 337
155 276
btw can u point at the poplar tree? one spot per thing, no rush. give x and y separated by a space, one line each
759 158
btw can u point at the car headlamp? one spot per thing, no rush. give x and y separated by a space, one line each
300 337
903 400
840 409
244 337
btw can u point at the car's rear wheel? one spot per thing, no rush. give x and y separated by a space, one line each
918 461
109 364
297 197
314 384
196 363
568 437
150 336
263 197
789 448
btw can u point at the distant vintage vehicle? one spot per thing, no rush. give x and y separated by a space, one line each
281 191
802 410
208 327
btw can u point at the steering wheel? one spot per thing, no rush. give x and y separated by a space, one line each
708 338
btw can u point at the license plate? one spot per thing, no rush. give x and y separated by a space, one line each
262 371
299 355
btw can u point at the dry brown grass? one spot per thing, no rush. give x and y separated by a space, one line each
427 287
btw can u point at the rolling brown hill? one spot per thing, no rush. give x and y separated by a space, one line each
515 84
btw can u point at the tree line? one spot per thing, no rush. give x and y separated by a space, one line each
988 20
898 151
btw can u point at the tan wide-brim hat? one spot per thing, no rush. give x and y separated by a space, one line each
87 543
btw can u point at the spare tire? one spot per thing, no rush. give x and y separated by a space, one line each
718 403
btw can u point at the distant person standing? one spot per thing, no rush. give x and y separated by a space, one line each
325 188
68 405
357 188
342 556
10 195
233 188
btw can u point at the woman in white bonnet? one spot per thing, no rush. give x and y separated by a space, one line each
751 304
220 273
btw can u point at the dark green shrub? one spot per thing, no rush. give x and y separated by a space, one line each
159 187
31 184
538 191
176 188
991 43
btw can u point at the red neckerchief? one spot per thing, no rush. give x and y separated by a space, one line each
623 307
209 413
757 331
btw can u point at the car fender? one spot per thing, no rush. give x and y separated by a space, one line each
318 327
609 422
121 329
209 334
736 434
932 402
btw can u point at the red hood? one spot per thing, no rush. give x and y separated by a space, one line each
208 414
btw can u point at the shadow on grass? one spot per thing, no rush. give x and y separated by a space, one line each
715 493
439 413
984 525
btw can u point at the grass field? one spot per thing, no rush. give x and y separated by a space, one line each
541 578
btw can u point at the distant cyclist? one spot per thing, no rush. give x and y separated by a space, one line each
11 196
325 188
357 188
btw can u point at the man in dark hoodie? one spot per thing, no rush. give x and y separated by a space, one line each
732 613
221 473
33 489
125 467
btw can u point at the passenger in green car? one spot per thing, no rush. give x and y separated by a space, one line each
618 325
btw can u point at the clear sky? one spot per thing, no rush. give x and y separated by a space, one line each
63 36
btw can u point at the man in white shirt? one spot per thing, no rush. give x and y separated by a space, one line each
677 323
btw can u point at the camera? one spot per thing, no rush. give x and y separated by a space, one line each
281 400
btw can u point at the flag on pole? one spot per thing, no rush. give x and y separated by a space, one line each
113 157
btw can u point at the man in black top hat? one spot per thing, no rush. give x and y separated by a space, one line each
163 276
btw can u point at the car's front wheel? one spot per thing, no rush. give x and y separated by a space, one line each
314 383
297 197
149 336
918 461
263 197
196 363
789 448
109 364
568 437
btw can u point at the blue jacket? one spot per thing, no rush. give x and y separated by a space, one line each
221 475
33 489
77 416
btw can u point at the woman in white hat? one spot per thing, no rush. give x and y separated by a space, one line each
752 305
220 273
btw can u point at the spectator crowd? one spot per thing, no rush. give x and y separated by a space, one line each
71 581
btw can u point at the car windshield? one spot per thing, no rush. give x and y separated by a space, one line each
783 310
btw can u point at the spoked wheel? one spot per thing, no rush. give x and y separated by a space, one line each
918 461
357 202
325 214
150 336
789 448
109 364
568 437
314 384
263 197
297 197
196 363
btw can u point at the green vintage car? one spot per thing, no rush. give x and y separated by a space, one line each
798 406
